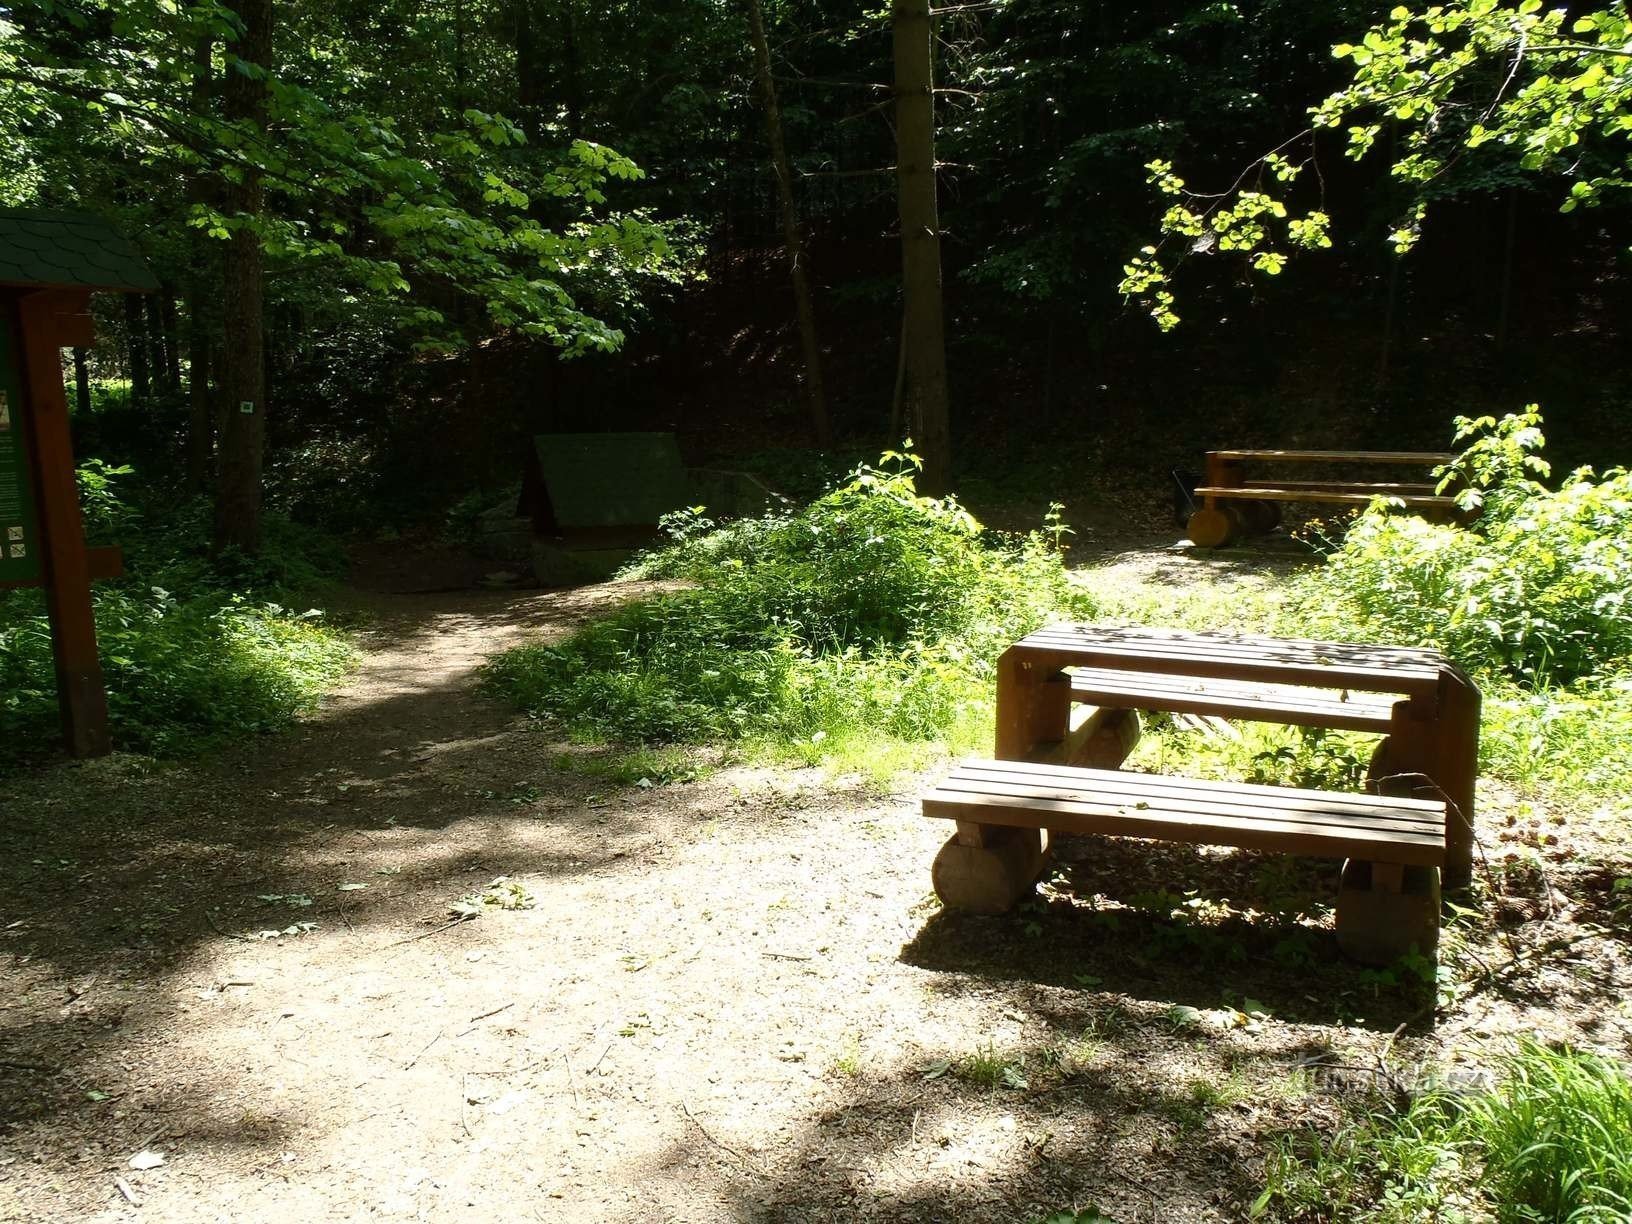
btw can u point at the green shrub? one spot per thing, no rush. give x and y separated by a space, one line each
180 674
1538 588
194 647
872 609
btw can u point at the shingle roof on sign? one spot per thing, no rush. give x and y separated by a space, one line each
67 250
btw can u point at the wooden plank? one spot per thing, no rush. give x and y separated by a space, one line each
1290 704
1137 786
1261 493
1318 665
1380 488
1410 826
1085 816
1436 458
1257 645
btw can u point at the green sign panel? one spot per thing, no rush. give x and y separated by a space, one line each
19 529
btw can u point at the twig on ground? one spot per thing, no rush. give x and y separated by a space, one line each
12 1065
567 1059
424 1049
494 1012
446 926
210 918
727 1149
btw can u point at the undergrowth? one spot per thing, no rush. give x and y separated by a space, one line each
1551 1141
194 648
867 622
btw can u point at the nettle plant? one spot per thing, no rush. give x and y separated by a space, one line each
1554 92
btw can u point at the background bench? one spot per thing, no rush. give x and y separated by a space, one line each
1234 504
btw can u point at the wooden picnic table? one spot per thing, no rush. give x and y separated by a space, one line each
1233 502
1068 696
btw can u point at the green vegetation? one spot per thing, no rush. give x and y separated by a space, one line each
870 618
861 630
1538 588
194 648
1552 1141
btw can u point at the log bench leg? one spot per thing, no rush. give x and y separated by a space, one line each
1212 527
987 869
1385 910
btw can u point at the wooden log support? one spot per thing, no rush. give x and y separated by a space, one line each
1385 911
1439 739
987 869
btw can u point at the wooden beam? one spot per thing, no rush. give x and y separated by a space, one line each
83 700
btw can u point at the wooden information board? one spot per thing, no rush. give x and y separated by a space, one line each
19 530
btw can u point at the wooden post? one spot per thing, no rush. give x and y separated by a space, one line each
985 869
1442 742
50 321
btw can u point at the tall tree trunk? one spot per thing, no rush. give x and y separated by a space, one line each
529 72
136 347
200 418
82 384
461 94
243 368
923 326
572 70
814 390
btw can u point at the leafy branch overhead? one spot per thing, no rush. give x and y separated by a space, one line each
403 216
1455 88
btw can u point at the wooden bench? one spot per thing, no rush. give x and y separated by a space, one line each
1432 708
1068 698
1388 902
1233 504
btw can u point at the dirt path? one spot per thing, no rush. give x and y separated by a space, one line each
731 999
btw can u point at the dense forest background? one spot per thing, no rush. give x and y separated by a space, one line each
484 220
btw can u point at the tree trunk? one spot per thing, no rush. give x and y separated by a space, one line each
529 72
136 347
790 231
82 384
243 368
200 417
923 327
170 331
155 342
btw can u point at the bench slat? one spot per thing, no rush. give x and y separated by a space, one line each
1231 814
1141 785
1281 703
1335 456
1381 487
1318 664
1250 815
1262 493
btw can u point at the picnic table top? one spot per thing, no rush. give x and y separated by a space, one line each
1338 456
1410 671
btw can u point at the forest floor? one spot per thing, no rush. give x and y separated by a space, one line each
733 996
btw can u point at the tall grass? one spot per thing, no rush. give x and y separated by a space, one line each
1550 1143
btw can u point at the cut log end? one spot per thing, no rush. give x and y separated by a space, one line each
1211 527
990 878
